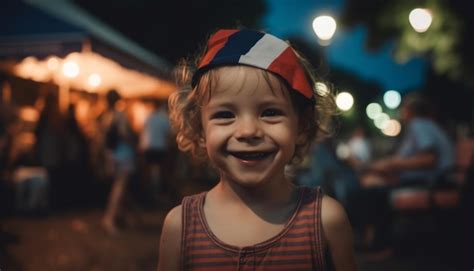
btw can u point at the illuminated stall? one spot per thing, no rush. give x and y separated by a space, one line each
52 48
57 41
55 46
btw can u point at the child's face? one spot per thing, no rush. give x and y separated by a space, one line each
250 127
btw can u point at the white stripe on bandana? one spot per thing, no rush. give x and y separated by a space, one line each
264 52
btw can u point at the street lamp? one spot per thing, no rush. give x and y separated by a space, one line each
324 26
420 19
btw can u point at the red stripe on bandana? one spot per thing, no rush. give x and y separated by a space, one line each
284 65
214 45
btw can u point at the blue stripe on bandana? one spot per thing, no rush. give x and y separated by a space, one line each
237 45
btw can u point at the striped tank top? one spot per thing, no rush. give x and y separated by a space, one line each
299 246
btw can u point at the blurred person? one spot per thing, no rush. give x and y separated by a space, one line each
49 146
25 178
424 156
76 158
31 189
76 150
360 149
251 120
120 163
154 141
5 144
4 147
8 119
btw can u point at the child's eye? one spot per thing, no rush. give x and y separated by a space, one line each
222 115
272 112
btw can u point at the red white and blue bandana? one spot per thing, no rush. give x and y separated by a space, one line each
257 49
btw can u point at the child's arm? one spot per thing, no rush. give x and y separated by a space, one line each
338 235
170 243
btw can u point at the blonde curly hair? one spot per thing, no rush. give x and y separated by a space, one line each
314 117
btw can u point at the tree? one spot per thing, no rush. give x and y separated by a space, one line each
447 43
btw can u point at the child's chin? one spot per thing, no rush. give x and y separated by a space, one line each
250 183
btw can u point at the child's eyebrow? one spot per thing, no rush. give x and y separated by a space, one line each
231 106
221 103
271 102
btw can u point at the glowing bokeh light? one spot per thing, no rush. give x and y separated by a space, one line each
381 120
52 63
372 110
94 80
420 19
71 69
392 99
392 128
344 101
324 27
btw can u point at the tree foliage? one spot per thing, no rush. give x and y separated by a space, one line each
447 42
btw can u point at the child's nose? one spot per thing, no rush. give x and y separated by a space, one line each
248 128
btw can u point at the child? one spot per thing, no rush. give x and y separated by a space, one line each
251 111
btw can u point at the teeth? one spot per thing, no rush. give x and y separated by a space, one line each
250 155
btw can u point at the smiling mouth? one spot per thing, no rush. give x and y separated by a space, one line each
251 156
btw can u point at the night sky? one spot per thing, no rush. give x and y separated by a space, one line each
285 18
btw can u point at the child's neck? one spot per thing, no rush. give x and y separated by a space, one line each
272 195
244 217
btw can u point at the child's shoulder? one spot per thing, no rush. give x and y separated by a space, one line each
332 213
337 234
174 217
170 243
